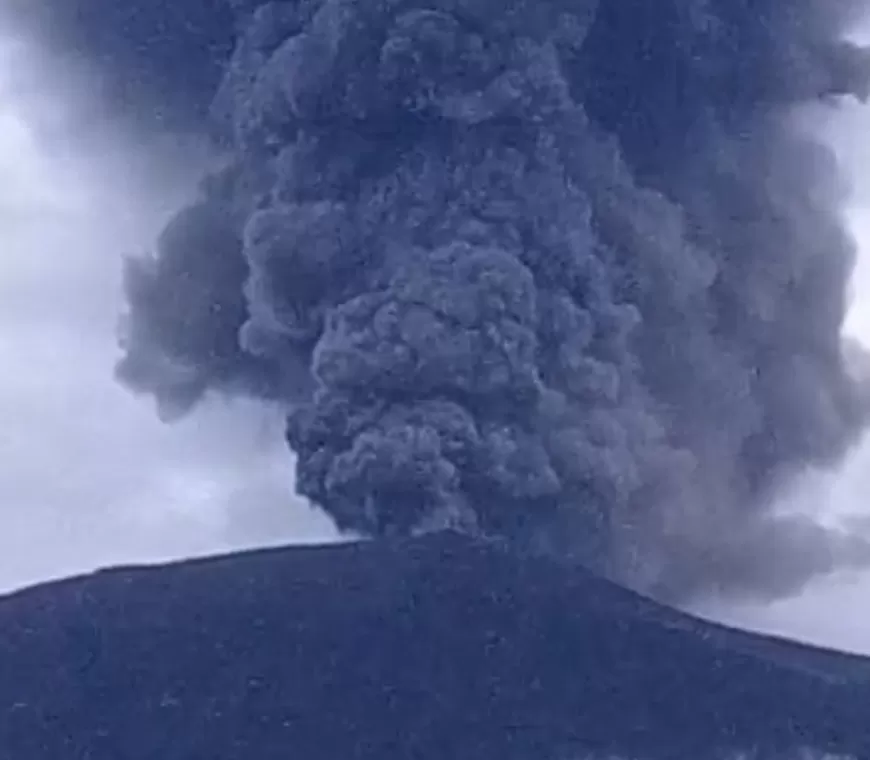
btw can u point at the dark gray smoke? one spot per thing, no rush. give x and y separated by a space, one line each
564 272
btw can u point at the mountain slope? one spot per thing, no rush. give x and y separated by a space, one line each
431 648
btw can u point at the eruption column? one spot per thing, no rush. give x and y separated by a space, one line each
562 272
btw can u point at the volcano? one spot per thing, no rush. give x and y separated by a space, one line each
432 647
566 273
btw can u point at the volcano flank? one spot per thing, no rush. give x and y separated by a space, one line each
439 647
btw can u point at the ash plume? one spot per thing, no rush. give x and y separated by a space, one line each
562 272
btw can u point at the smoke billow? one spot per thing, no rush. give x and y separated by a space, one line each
563 272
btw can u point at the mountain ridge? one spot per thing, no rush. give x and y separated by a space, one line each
470 649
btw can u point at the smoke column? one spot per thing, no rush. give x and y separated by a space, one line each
567 273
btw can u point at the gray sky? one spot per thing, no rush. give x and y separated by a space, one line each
89 477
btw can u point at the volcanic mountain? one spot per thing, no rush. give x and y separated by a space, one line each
434 647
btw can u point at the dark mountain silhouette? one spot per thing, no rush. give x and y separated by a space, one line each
438 647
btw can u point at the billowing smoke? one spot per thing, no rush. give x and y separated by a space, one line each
563 272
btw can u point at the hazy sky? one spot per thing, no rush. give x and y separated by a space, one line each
89 477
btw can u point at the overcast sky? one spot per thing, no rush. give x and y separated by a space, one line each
89 477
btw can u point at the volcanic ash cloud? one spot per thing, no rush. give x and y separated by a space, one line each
561 272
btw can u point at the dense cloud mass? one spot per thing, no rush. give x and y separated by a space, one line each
564 272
